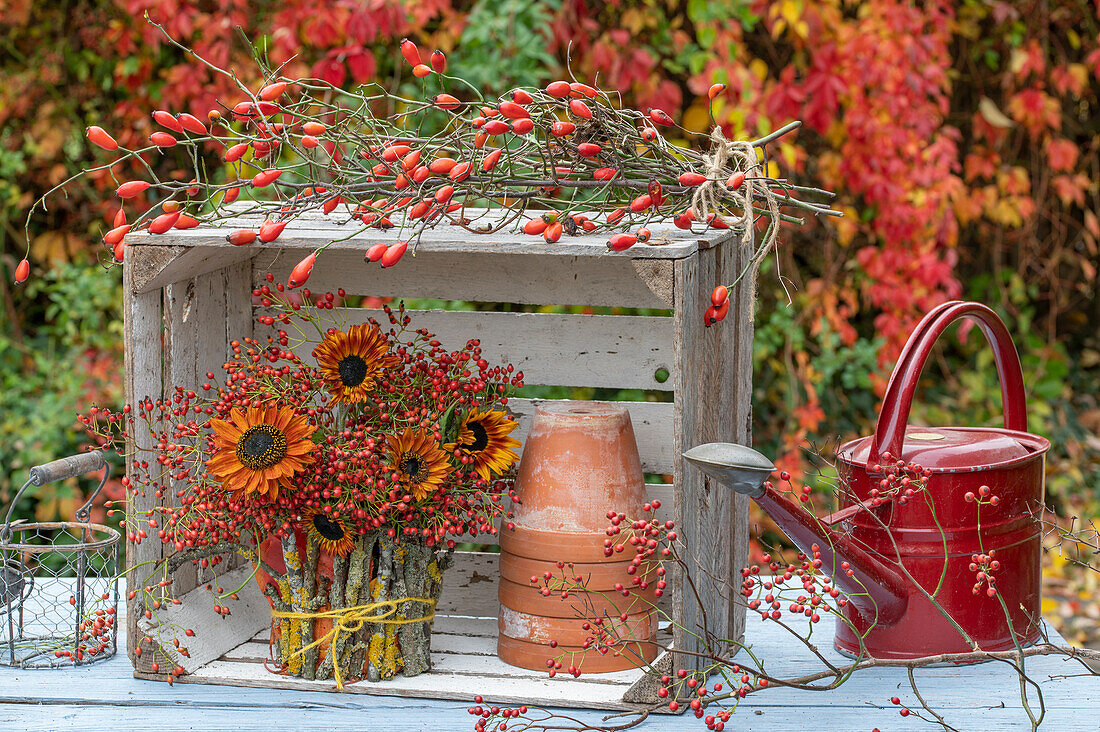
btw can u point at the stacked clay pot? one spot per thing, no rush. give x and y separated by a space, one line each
580 460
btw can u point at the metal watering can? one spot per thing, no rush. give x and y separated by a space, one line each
892 555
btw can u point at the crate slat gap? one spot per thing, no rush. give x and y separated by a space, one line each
188 294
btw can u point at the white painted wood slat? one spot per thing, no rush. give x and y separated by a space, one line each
144 371
492 277
458 683
713 386
556 349
311 231
191 262
212 631
194 335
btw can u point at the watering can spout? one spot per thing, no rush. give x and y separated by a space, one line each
875 589
737 467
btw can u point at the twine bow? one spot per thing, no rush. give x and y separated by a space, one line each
708 197
351 619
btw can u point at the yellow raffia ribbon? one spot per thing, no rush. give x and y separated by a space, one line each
351 619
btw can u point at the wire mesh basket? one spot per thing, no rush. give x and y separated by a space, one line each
58 580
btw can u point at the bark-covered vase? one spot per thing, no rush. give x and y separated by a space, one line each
363 595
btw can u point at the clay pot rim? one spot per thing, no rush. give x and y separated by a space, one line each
585 547
533 656
528 599
598 575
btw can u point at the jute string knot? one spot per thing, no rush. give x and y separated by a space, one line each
349 620
727 157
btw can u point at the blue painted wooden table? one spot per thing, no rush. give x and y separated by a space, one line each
105 696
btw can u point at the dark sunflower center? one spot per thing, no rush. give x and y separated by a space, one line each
414 466
327 528
480 440
353 369
261 446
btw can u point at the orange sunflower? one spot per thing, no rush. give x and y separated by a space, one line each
351 362
419 462
260 449
484 437
328 531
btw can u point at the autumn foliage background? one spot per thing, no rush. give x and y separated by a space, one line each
961 137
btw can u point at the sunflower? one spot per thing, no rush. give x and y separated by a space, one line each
418 461
351 362
328 531
258 450
484 437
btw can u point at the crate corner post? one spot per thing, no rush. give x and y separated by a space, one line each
182 306
713 387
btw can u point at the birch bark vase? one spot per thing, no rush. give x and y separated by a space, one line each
580 460
351 618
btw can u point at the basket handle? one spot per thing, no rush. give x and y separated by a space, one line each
894 416
67 467
51 472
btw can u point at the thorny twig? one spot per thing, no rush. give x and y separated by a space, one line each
607 170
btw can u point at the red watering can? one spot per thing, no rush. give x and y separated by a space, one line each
943 567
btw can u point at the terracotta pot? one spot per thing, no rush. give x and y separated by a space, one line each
580 461
528 598
551 545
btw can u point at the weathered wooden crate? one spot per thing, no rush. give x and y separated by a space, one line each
188 294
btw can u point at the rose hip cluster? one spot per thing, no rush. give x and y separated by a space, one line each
900 482
570 161
982 564
692 690
904 711
494 715
803 493
817 591
347 473
94 632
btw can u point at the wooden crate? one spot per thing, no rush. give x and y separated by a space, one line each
188 294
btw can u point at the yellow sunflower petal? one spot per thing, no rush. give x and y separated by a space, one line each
483 436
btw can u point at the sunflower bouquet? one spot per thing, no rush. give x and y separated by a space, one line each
344 477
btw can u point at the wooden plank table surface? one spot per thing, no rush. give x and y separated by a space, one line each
105 696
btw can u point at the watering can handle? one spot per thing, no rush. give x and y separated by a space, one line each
892 420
